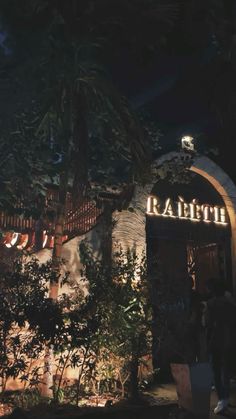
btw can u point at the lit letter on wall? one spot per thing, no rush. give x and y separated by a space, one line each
180 207
217 214
206 210
153 205
183 208
169 209
193 210
192 207
222 215
198 212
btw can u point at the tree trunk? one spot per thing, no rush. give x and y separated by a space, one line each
47 388
47 385
106 237
58 235
57 252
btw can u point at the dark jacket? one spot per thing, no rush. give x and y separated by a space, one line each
221 324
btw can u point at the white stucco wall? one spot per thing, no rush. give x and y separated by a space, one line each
70 254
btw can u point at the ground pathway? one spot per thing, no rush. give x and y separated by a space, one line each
166 393
160 402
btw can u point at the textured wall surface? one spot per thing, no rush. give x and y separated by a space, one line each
129 228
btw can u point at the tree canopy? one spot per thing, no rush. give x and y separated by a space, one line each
99 46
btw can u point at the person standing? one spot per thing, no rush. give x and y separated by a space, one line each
196 326
221 320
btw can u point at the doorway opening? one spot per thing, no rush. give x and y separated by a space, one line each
208 260
183 231
185 240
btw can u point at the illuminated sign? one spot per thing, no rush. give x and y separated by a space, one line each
193 210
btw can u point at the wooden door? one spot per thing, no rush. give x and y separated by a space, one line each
207 265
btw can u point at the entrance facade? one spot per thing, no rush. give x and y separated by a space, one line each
188 230
188 239
196 227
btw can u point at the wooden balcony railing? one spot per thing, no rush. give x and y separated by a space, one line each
28 233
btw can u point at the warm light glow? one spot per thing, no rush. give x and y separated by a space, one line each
45 239
13 241
187 142
23 241
193 210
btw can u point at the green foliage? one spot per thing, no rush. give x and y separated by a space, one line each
28 318
119 293
72 113
30 321
24 399
76 344
117 24
175 168
131 298
67 118
97 335
58 82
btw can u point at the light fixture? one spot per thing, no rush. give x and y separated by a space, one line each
187 142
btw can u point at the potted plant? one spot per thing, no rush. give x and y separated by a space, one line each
191 373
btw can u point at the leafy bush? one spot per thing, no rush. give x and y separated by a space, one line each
119 295
28 319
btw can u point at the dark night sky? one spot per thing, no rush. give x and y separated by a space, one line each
172 86
172 90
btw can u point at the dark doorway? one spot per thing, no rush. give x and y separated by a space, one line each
180 248
183 246
208 260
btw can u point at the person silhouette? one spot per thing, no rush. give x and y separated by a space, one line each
220 321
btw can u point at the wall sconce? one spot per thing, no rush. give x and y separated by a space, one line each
187 142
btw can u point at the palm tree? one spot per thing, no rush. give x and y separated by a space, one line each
82 107
76 105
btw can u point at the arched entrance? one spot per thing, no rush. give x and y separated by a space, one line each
213 238
130 226
227 190
188 224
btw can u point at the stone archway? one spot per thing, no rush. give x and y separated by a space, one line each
129 228
227 190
